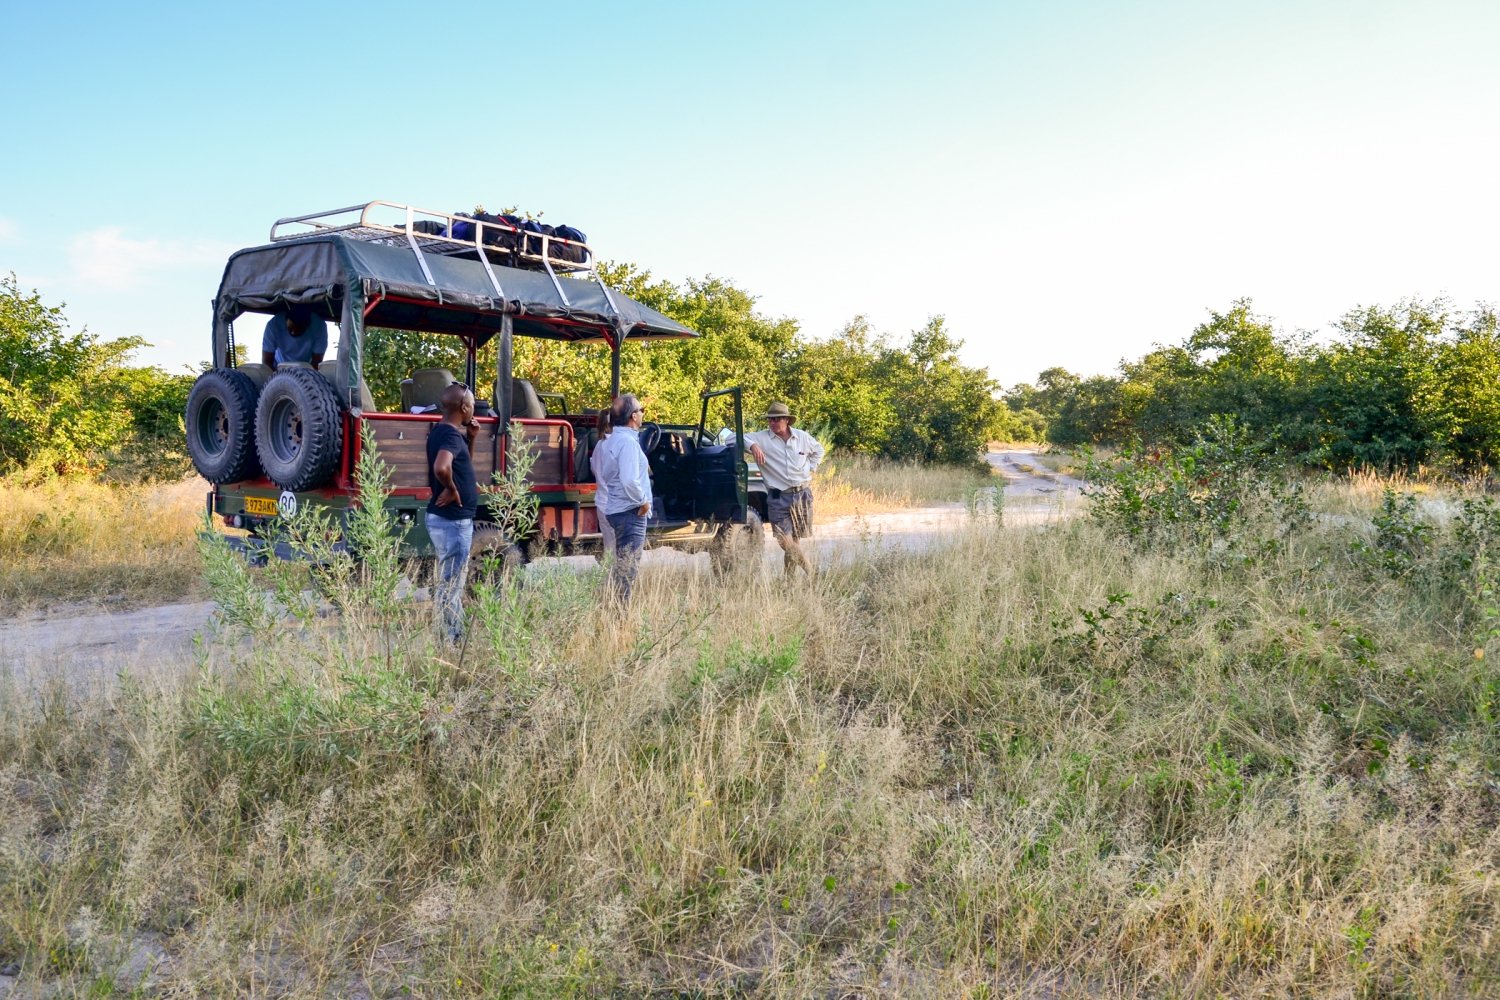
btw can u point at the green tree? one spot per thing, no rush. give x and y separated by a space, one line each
1375 398
1093 413
1234 365
836 387
948 411
69 400
1055 386
1466 410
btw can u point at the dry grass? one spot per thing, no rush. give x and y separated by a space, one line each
969 772
859 484
77 540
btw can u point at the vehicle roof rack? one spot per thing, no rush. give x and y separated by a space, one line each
428 232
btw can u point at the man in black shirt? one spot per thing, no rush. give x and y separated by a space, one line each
455 499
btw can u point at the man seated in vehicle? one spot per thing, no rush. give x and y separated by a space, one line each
299 334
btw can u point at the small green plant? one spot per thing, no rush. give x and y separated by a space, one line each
511 504
278 725
372 535
1361 935
499 604
353 556
1401 534
240 601
1117 631
744 668
1225 779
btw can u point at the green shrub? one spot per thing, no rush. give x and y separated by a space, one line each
1402 535
1223 488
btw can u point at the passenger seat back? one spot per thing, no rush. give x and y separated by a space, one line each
366 401
259 373
525 404
425 388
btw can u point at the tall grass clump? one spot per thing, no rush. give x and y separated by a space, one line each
74 539
1033 763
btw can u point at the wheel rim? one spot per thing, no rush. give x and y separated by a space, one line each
213 427
285 430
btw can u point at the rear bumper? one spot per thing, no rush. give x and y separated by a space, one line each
258 551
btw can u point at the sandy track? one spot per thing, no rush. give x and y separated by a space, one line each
97 645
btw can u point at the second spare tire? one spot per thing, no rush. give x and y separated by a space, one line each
220 422
299 429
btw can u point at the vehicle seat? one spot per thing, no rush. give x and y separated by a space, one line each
587 435
525 404
259 373
424 389
366 401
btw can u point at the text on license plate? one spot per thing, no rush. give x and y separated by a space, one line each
260 505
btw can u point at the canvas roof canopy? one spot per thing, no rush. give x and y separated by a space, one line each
384 285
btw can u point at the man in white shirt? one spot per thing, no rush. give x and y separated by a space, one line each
787 458
624 480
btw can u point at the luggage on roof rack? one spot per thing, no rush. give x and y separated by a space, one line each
503 239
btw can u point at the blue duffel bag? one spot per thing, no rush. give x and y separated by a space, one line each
534 242
571 254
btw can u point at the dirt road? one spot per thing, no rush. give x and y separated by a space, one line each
96 645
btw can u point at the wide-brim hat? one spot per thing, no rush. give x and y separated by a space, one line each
778 410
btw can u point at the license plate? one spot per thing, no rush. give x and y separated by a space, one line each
260 505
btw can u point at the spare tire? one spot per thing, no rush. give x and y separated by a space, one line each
299 429
220 422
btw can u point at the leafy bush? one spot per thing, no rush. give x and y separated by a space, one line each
1221 488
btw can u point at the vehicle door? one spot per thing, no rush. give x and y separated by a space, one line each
720 473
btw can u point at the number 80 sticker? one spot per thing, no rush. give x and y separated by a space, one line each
287 504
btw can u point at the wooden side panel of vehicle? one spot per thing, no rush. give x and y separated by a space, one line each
402 441
553 442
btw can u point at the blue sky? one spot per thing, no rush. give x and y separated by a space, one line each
1068 183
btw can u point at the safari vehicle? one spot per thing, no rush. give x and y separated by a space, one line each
272 443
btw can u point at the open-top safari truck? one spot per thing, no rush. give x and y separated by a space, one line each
274 442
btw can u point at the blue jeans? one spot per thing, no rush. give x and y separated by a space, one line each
630 539
450 543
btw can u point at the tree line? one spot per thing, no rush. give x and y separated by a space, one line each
1397 388
1412 385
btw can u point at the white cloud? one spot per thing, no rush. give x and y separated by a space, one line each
107 258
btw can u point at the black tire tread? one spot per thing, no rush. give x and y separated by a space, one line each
322 429
238 394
